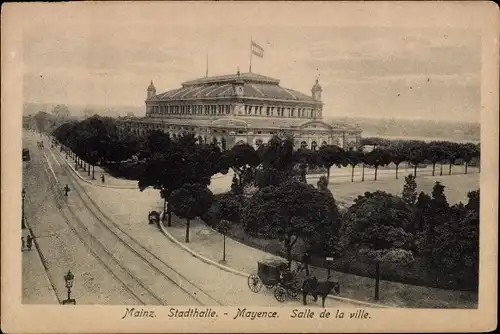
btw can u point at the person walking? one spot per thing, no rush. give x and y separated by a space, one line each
22 244
66 190
102 178
29 242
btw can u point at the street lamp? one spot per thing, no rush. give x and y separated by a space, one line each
23 195
68 278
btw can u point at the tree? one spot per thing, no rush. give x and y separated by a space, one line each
468 152
277 159
322 183
329 155
421 212
435 152
376 158
452 249
452 153
410 190
242 158
190 201
289 212
61 111
354 158
376 225
223 143
304 158
235 187
474 200
416 153
397 154
228 212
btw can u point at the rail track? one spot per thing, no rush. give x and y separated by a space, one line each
121 274
158 266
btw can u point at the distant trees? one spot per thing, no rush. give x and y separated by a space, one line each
61 110
377 158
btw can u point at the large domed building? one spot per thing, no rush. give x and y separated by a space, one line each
242 108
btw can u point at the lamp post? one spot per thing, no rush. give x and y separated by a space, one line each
68 278
23 195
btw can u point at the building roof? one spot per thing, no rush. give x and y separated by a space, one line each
255 86
250 122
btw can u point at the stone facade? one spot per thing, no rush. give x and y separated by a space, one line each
242 108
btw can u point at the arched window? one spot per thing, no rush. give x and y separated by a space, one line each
303 144
324 143
314 145
258 143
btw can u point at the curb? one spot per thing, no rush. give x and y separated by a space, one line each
240 273
198 256
44 263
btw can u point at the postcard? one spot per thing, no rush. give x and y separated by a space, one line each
249 167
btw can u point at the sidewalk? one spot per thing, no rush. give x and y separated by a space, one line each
36 285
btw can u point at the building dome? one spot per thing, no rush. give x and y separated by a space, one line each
151 87
317 87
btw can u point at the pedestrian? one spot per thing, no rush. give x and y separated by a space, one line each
22 244
66 190
306 259
29 242
102 178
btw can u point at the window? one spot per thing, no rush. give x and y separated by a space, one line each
267 111
259 132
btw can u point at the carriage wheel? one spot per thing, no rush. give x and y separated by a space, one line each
280 294
254 283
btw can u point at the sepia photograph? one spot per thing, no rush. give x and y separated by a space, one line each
249 166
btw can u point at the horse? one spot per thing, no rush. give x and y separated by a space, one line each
319 288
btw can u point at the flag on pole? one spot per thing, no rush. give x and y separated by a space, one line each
257 50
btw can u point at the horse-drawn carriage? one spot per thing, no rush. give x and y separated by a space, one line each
276 274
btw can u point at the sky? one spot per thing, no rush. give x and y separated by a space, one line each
371 61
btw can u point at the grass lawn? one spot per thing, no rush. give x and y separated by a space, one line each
456 187
426 290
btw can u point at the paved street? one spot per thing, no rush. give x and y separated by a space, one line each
93 283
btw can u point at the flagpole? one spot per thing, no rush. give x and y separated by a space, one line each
250 54
206 70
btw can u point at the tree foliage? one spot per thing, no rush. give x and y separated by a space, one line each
290 211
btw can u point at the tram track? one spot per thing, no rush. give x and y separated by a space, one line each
120 273
159 266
